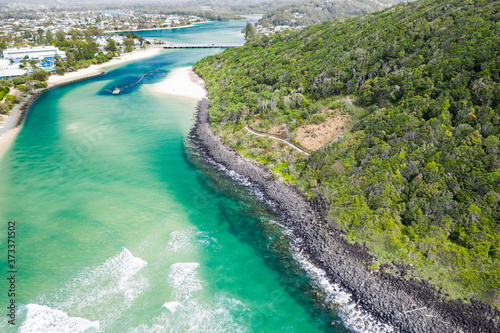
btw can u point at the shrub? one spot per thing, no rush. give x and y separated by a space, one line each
375 266
4 91
40 75
40 84
10 98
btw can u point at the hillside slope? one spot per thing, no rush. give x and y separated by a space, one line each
416 173
317 11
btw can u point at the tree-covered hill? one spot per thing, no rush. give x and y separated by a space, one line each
416 175
317 11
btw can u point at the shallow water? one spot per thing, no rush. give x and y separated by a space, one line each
121 226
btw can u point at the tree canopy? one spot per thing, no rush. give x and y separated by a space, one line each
317 11
417 176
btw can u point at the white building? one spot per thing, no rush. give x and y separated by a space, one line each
9 71
34 53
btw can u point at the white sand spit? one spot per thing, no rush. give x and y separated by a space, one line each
181 82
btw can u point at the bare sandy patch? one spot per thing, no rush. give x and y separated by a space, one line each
181 82
276 130
6 140
94 70
15 92
313 137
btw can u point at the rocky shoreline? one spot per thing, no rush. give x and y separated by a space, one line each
407 304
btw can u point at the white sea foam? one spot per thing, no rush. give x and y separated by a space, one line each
188 239
171 306
107 289
179 240
41 318
189 313
193 316
242 180
353 316
183 280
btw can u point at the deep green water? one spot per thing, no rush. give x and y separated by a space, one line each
121 227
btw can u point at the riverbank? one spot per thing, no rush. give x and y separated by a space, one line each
10 126
7 139
152 29
94 70
407 304
181 82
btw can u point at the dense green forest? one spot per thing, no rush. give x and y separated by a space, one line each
228 6
217 9
416 174
319 11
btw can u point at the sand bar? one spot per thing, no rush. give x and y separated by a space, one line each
181 82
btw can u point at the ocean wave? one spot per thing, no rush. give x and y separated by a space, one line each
191 310
225 314
171 306
183 280
107 289
41 318
188 239
353 316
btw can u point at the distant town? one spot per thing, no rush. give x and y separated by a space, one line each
37 41
34 37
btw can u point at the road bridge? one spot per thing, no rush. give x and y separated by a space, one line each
201 46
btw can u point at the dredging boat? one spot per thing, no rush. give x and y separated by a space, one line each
115 92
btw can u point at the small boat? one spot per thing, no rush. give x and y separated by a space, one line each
115 92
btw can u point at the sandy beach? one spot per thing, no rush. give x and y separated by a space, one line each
8 125
98 69
181 82
6 139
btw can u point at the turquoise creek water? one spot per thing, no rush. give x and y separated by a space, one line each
121 227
